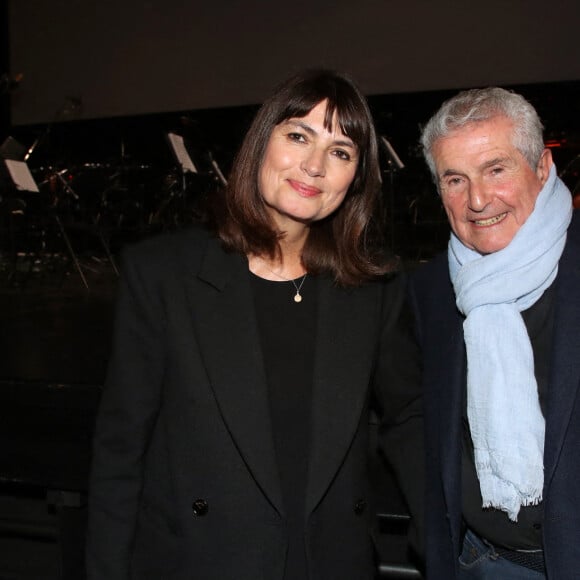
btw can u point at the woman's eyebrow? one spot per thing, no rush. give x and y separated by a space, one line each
343 142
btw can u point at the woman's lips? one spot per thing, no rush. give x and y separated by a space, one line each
303 189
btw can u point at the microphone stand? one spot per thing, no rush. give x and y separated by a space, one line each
394 164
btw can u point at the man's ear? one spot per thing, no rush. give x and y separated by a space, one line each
544 166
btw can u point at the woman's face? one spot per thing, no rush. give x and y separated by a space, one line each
307 170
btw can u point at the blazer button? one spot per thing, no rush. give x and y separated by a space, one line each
360 507
200 507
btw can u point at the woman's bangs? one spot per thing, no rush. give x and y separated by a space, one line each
352 119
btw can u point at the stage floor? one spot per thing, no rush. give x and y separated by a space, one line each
55 340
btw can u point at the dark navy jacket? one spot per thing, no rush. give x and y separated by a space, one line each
440 332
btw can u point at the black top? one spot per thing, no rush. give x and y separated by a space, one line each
287 330
493 524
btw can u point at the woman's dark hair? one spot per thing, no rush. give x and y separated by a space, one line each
349 243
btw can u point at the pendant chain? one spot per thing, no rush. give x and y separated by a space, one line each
298 296
297 287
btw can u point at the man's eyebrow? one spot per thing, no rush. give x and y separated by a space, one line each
451 171
494 161
484 165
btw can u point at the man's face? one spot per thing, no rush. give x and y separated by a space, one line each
487 187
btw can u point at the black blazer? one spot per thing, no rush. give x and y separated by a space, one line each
184 481
441 335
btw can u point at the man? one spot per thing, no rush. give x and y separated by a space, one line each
498 318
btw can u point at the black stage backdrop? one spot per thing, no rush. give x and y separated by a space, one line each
88 60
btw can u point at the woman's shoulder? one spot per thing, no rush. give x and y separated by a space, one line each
161 246
385 291
161 254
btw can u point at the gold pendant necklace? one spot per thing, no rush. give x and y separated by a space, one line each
298 296
297 287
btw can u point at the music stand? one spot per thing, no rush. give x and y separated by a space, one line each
23 180
392 158
12 155
394 163
21 176
177 143
180 146
196 174
12 149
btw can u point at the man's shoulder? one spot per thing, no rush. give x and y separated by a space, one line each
574 229
435 269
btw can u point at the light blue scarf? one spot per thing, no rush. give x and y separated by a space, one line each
506 422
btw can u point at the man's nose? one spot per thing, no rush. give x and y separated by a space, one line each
478 196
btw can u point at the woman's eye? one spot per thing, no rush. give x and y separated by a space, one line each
341 154
298 137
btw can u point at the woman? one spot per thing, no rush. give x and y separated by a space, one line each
231 440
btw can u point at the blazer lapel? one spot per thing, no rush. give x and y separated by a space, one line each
341 377
223 310
448 359
565 363
444 363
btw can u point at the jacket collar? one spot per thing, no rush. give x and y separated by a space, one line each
341 377
222 308
565 361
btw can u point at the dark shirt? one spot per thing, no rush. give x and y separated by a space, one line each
288 339
493 524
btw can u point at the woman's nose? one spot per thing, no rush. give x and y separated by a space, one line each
313 163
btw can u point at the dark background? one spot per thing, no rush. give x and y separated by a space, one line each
90 91
93 88
132 57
